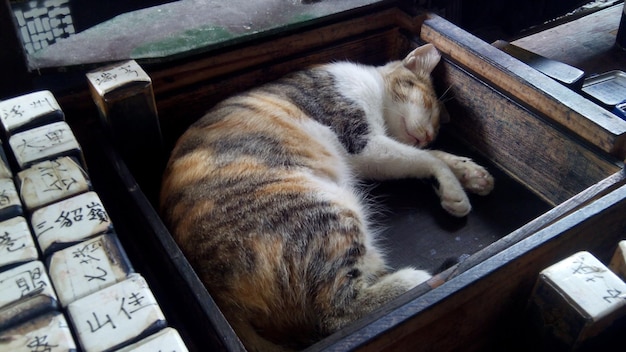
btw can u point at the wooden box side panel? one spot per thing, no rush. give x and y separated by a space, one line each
589 121
484 307
531 149
178 109
492 309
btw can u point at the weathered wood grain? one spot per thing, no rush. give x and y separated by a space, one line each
565 107
530 148
587 43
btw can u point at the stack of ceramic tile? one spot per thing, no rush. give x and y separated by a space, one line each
65 279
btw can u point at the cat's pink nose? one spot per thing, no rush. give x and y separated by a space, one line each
428 138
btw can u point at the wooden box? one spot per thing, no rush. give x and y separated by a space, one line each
557 159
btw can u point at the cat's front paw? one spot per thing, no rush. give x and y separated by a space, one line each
474 177
450 191
457 206
455 203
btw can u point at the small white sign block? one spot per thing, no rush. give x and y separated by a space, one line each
50 181
87 267
110 78
578 298
47 333
29 109
618 262
116 315
44 142
69 221
10 204
25 290
16 242
167 339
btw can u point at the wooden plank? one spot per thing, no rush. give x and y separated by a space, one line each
536 91
269 51
568 207
185 88
155 254
586 43
179 108
530 149
570 76
564 209
483 308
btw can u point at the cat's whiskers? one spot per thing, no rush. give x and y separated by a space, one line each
443 99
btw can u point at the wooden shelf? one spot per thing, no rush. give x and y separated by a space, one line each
587 43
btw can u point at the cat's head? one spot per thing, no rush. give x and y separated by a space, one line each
412 110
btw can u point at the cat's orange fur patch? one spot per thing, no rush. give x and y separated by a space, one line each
190 216
260 292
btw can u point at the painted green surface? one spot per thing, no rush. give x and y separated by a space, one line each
182 42
302 17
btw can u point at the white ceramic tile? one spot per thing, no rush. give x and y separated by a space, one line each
16 242
47 333
69 221
21 284
27 109
51 180
116 315
44 142
167 339
87 267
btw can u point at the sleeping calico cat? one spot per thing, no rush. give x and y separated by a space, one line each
261 194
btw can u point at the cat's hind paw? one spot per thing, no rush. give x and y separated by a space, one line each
409 277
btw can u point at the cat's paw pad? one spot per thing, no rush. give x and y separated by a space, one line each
456 204
474 177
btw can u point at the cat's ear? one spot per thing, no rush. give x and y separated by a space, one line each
422 60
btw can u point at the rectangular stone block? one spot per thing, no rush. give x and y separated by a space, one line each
576 299
117 315
46 333
50 181
10 203
28 111
5 169
16 242
25 292
87 267
69 221
167 339
43 143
